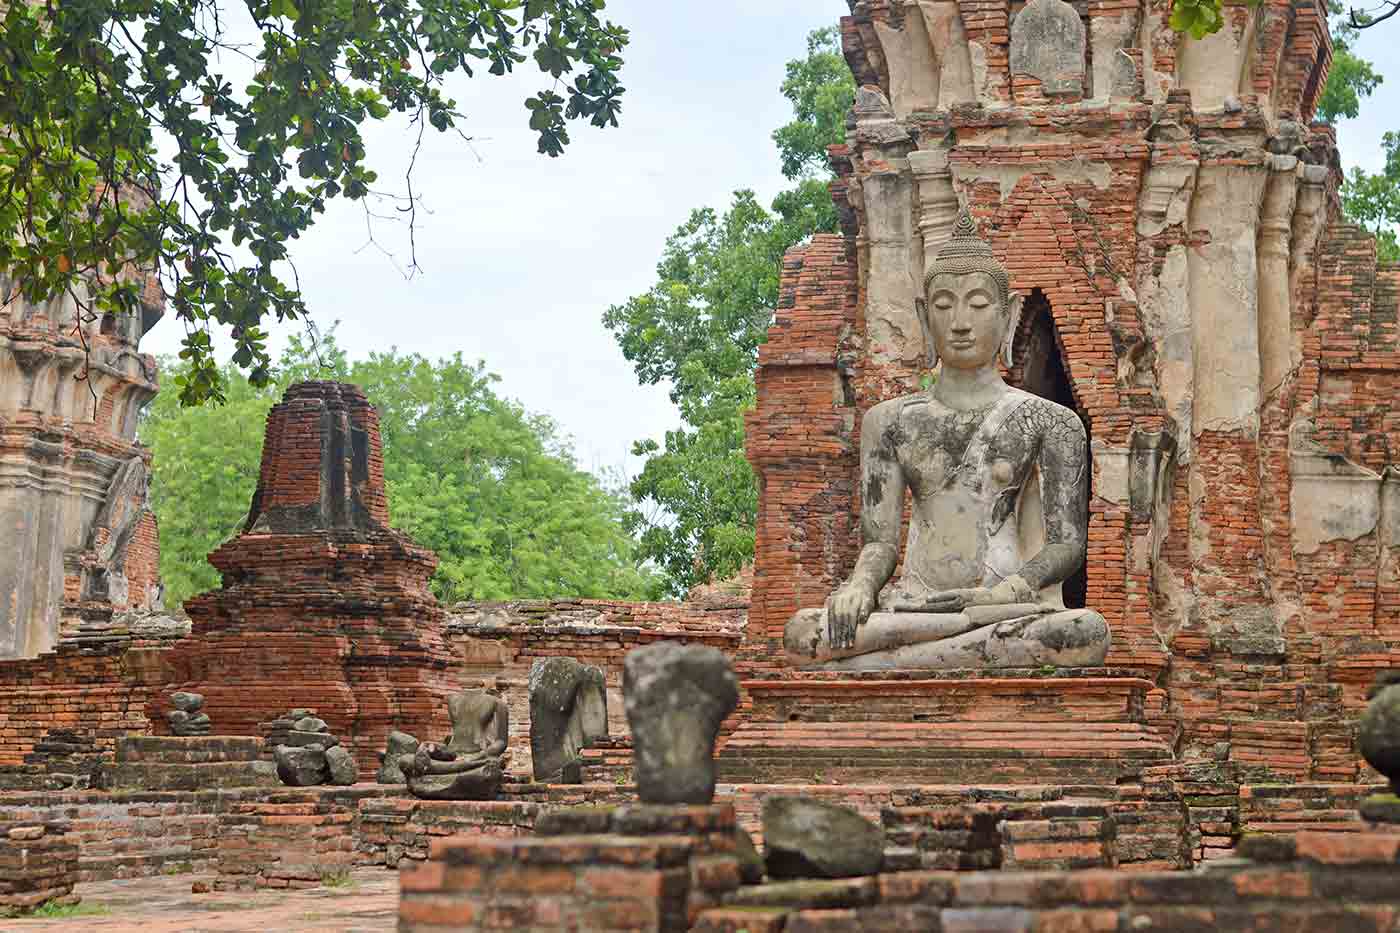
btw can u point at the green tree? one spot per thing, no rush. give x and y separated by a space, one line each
494 490
1373 199
699 327
204 470
1349 78
90 88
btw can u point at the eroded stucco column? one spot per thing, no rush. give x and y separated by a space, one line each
1224 298
1275 304
937 209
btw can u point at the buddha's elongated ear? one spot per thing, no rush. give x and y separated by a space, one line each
1014 303
930 350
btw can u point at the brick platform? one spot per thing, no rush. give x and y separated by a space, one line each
1327 881
958 727
196 762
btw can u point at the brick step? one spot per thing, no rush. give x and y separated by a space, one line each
934 753
189 749
1017 697
145 775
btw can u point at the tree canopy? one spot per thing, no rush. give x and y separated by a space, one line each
90 89
493 489
1372 199
699 327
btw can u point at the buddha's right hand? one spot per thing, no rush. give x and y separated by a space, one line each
847 609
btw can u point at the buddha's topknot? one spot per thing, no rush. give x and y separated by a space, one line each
967 252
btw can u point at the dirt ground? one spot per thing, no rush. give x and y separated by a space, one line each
367 903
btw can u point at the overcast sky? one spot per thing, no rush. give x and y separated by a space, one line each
521 254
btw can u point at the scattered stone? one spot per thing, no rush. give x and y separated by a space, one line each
310 724
186 718
340 766
298 737
186 701
301 765
399 744
750 862
568 709
199 887
810 894
805 838
676 698
1380 724
1379 739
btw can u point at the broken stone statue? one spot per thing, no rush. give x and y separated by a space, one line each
399 744
999 481
471 764
186 718
805 838
568 709
1379 735
676 698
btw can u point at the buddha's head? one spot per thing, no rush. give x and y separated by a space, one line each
969 312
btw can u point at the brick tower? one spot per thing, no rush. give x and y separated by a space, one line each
1170 213
323 605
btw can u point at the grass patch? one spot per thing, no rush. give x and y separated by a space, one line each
56 911
337 879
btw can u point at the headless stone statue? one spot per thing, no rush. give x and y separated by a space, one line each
469 766
999 482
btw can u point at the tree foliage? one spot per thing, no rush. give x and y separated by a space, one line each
90 88
1349 78
699 326
493 489
1372 199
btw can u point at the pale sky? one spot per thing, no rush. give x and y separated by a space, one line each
521 254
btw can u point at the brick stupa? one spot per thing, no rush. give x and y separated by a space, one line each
323 605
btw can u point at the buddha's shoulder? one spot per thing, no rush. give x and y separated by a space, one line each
892 410
1045 416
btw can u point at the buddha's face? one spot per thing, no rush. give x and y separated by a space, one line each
967 320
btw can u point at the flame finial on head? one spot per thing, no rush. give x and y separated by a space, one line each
967 252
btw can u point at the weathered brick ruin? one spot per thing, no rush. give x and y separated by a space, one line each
1171 216
1229 342
79 542
323 605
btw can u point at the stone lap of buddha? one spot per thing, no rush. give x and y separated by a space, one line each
999 482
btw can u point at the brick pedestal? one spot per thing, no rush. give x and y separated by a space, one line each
1032 836
38 865
608 760
195 762
595 868
289 841
1032 727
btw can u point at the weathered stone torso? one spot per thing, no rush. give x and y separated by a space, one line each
975 478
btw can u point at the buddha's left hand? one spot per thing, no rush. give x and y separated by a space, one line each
1011 590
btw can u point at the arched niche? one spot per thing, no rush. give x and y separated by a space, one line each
1039 367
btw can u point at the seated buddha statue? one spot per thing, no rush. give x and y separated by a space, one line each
998 479
469 766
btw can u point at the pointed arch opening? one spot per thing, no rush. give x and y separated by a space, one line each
1039 367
